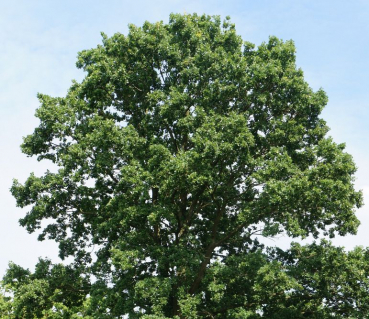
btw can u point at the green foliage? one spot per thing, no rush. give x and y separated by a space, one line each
180 146
5 305
52 291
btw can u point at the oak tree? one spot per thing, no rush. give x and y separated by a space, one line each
181 146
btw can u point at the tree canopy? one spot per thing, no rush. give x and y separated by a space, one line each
181 146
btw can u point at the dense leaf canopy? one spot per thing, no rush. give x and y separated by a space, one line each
182 144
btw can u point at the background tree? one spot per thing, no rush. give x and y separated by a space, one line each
5 304
180 145
52 291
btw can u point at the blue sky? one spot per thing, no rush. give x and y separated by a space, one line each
40 40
